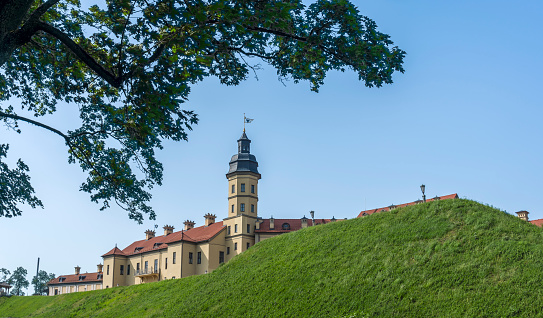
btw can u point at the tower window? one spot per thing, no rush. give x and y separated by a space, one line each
232 208
127 269
242 207
248 228
146 266
173 258
107 270
248 245
242 187
253 208
166 263
228 250
199 260
156 265
252 188
235 228
190 257
235 246
229 228
221 257
137 268
233 188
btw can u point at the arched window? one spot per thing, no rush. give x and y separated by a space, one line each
286 226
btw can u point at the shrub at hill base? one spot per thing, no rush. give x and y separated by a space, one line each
444 258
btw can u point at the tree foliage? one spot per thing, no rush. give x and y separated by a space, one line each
129 65
18 281
4 275
40 282
15 187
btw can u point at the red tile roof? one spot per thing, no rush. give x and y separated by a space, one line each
537 222
74 279
114 251
388 208
295 225
197 234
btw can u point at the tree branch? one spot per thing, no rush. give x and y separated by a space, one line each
280 33
41 10
81 54
37 123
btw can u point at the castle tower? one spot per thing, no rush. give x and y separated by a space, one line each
243 179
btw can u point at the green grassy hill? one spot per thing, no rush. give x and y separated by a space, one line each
446 258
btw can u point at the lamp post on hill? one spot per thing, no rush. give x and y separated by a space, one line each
422 188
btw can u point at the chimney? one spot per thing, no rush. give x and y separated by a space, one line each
189 224
77 270
149 234
168 229
523 215
312 217
333 219
210 219
304 222
272 223
99 268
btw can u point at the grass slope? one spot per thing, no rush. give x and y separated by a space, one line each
445 258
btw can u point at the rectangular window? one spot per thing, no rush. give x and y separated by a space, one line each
138 268
190 257
252 188
233 188
127 269
199 260
146 266
253 208
228 250
229 228
122 269
235 246
232 208
166 263
156 265
248 245
242 207
242 187
221 257
235 228
107 270
248 228
173 260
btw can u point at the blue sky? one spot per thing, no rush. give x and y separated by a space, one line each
464 118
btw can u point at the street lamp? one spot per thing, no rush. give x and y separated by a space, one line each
422 188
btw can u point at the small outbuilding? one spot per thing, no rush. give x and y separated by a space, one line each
4 289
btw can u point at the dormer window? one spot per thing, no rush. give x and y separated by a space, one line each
100 276
137 249
285 226
157 245
61 279
81 277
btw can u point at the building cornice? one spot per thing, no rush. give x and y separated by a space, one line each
240 215
243 196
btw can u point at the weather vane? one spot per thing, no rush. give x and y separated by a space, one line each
246 120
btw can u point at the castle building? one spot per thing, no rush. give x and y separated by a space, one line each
196 250
77 282
523 215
